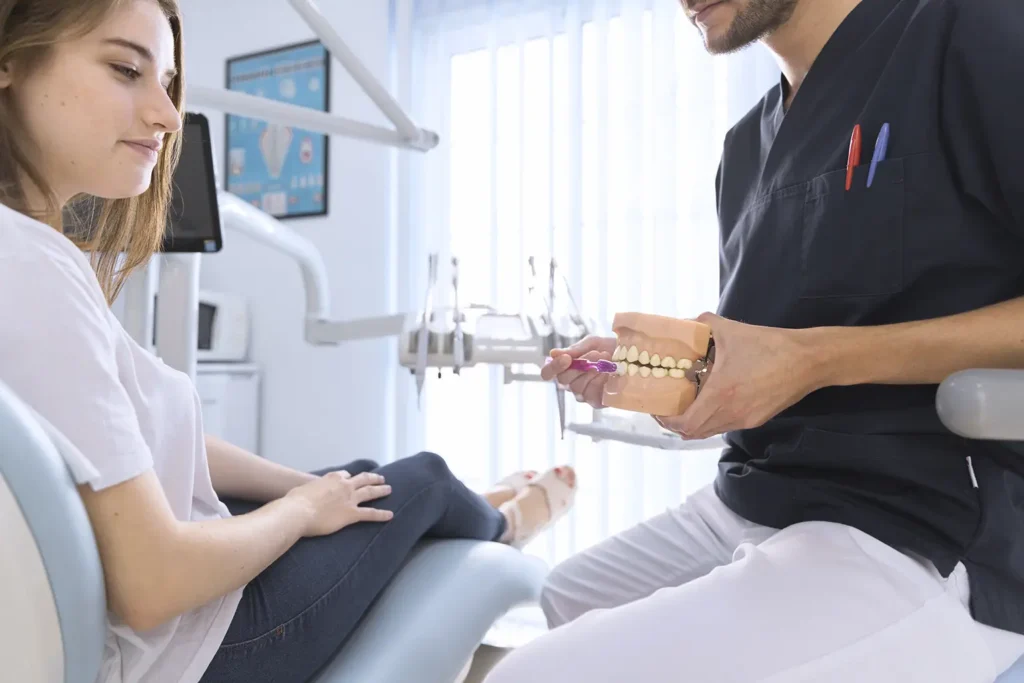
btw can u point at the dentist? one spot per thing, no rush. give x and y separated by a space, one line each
871 211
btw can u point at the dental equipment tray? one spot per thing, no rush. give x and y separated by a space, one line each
492 338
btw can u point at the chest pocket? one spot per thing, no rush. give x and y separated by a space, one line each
852 241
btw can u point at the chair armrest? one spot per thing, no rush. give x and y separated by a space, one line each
983 404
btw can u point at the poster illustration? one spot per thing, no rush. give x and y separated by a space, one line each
280 169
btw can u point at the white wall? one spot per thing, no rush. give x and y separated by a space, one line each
328 405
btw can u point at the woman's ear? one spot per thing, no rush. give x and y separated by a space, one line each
6 75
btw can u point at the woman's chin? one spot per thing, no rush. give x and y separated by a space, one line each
126 189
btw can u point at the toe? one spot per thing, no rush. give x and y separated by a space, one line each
567 475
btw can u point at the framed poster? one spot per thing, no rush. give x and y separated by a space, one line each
280 169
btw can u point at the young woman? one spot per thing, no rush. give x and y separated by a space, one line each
219 566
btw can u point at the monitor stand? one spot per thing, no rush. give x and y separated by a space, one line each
176 318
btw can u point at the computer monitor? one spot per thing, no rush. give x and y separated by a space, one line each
194 221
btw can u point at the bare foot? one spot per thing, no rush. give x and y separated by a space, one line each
508 488
532 507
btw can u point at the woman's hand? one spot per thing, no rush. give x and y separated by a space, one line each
333 501
588 387
758 372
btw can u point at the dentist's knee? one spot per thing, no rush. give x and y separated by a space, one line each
564 597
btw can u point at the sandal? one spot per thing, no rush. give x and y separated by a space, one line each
517 481
560 497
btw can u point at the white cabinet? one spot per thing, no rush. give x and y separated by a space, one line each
230 393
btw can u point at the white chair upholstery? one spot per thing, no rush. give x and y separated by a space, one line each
51 582
988 405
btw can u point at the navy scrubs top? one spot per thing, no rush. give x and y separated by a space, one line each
939 232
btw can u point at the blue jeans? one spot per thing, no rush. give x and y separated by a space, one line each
299 611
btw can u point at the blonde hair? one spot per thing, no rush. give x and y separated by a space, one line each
110 228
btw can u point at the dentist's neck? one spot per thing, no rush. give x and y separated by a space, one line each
798 42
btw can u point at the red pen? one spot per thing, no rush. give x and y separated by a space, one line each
853 161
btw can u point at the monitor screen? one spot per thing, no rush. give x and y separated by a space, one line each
194 221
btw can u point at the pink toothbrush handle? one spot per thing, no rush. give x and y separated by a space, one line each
600 366
605 366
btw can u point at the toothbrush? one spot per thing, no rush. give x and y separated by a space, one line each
605 366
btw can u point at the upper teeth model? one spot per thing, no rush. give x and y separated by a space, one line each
653 355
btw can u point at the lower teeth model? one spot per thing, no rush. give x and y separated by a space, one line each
653 357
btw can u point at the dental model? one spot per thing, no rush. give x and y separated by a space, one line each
660 363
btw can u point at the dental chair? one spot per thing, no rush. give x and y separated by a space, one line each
424 628
989 405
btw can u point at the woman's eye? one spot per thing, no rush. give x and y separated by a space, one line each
128 72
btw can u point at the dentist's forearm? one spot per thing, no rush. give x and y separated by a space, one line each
237 473
922 352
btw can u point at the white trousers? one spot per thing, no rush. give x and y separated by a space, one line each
700 595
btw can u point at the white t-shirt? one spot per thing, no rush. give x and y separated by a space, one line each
120 410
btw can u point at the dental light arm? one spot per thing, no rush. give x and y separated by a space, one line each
405 134
240 216
360 74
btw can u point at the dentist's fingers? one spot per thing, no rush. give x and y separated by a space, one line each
561 359
567 378
559 364
588 387
594 393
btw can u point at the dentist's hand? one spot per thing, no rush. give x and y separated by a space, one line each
758 372
588 387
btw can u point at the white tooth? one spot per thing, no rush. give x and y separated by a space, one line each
633 369
675 374
668 362
633 354
645 371
621 369
659 373
684 363
655 360
620 353
644 358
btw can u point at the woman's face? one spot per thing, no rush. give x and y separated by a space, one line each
98 109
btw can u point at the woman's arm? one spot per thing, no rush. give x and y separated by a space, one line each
157 567
237 473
